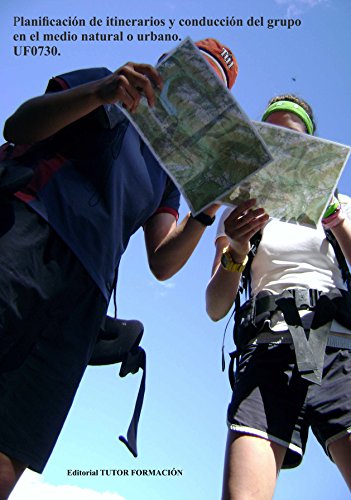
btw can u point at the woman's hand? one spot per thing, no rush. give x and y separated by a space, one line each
242 223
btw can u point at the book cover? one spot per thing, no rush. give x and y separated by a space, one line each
282 46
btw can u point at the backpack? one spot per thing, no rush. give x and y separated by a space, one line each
118 342
13 177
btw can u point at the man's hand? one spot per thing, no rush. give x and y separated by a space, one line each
127 84
43 116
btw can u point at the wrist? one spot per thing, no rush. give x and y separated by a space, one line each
237 251
203 218
230 263
212 210
334 219
237 256
102 90
333 207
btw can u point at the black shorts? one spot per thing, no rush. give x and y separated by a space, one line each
50 314
272 401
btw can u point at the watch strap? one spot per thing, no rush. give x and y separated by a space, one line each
229 264
204 219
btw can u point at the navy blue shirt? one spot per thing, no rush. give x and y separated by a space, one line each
96 182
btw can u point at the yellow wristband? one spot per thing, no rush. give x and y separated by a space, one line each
229 264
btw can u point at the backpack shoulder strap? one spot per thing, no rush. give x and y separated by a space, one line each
344 268
246 276
244 287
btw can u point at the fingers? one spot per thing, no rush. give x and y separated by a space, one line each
255 225
241 209
251 220
244 221
128 95
150 72
129 83
139 77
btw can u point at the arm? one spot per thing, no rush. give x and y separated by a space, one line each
43 116
339 223
223 286
342 233
243 222
169 246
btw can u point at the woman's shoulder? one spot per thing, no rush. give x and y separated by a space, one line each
345 202
344 199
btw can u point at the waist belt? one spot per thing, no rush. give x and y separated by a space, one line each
309 345
338 340
303 298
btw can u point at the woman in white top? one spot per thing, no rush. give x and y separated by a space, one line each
294 370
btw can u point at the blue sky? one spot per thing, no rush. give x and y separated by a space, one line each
183 421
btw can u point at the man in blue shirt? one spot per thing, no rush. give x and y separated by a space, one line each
95 183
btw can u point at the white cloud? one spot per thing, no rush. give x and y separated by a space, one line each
167 284
293 11
157 285
296 7
31 485
161 288
307 3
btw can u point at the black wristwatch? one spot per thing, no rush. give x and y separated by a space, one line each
204 219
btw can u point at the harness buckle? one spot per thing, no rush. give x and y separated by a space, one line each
305 298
